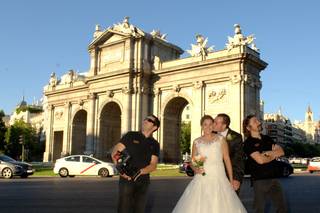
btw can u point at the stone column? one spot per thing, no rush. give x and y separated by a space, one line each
198 109
126 115
66 130
96 125
90 124
157 112
237 100
47 155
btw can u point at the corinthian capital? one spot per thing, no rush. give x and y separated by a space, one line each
92 95
198 84
156 91
236 78
126 90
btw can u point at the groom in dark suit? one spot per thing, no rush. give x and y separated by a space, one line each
235 143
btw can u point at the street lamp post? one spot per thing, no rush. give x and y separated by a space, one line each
21 141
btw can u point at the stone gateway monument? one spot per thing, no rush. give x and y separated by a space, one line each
132 74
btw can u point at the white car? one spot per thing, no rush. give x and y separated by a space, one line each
295 160
83 165
314 165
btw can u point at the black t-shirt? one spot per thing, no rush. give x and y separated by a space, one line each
140 149
259 171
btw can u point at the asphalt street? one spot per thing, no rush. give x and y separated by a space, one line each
98 195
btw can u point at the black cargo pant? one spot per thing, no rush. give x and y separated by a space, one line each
268 188
132 196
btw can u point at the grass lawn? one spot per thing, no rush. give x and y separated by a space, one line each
300 166
167 173
44 172
160 172
163 170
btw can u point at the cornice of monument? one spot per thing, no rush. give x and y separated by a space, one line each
242 53
121 72
66 90
180 50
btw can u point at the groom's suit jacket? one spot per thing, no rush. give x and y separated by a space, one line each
236 153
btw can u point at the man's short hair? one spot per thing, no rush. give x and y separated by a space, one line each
156 120
225 118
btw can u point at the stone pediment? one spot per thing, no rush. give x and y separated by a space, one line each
109 36
114 38
124 30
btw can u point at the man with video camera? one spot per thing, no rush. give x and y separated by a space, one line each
136 156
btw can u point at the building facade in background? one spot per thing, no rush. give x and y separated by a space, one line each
310 127
32 114
278 127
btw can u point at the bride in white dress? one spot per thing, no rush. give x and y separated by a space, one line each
211 192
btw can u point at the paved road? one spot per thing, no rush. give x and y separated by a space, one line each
97 195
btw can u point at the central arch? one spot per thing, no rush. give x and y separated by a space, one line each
172 129
79 132
110 129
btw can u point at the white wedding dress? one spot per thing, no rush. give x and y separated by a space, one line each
213 191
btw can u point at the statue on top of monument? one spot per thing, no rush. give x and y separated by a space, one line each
53 80
97 32
127 28
239 39
254 47
69 77
200 49
157 33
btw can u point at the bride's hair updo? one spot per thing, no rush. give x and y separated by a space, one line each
206 117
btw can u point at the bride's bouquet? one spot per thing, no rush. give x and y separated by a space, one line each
198 162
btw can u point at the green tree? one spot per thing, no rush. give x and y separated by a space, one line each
3 130
13 147
300 149
185 137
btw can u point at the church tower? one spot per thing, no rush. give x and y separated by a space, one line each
309 124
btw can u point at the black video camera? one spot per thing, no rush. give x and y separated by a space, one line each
124 165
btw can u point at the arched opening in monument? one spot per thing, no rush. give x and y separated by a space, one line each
175 128
57 145
79 133
110 129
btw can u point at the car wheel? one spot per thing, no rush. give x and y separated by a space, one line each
63 172
286 172
103 172
7 173
24 176
311 171
189 171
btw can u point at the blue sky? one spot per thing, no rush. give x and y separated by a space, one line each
38 37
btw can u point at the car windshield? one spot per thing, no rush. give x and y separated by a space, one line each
315 159
6 158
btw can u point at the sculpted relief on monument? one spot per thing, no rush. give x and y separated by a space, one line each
217 94
58 115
